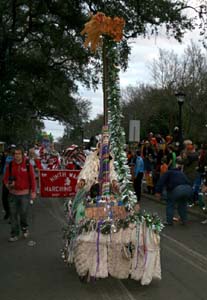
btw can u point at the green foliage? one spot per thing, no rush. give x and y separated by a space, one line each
44 135
76 130
93 127
188 74
117 135
153 107
152 221
156 106
42 57
145 17
17 130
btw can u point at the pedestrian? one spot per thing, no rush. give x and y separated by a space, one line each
19 178
131 157
179 192
148 155
2 161
36 163
171 157
164 166
138 174
5 191
204 191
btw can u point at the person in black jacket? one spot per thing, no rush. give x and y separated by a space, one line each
179 191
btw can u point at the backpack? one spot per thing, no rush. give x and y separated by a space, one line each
27 167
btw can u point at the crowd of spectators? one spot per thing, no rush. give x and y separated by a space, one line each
160 154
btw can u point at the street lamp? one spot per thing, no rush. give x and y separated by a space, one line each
82 134
180 98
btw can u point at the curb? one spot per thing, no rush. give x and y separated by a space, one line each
195 211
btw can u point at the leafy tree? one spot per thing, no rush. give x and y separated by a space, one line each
152 106
74 134
156 106
42 57
85 130
20 131
191 78
94 127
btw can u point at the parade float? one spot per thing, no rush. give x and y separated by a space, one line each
107 234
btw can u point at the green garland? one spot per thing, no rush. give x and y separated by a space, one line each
117 134
117 144
109 226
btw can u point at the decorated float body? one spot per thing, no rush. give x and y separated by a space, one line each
107 235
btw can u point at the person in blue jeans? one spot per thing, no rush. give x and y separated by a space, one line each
138 174
179 192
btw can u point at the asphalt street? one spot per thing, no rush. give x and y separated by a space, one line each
33 269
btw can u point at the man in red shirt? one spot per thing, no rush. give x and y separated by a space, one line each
20 181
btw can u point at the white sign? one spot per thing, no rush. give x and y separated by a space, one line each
86 140
134 130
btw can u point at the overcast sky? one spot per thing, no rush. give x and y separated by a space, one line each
142 54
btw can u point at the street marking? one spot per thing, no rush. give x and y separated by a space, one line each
113 289
189 250
186 259
125 290
200 264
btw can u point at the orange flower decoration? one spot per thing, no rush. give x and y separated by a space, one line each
100 24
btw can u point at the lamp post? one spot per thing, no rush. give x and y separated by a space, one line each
82 135
180 99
